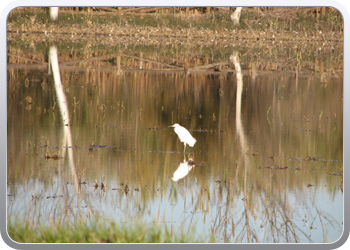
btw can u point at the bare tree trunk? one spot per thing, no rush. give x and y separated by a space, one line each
187 12
208 10
120 11
235 16
53 13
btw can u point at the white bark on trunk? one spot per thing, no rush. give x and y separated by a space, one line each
53 13
235 16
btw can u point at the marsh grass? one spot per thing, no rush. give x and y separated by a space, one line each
302 20
106 232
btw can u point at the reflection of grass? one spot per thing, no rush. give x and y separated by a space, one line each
96 233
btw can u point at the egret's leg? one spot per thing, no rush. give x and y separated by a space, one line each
184 147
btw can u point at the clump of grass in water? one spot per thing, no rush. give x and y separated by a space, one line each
108 232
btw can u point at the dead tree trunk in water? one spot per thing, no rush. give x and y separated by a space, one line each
235 16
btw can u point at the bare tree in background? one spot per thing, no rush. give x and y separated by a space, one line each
53 13
235 16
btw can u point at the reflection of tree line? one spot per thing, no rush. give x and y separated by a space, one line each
219 92
188 60
203 114
279 223
242 225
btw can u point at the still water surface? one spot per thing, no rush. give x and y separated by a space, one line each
265 167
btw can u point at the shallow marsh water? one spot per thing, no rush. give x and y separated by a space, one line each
266 166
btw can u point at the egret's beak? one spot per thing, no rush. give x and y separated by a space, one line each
171 126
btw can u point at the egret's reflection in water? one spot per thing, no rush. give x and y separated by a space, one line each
183 169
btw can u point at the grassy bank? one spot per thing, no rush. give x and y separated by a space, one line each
271 38
279 23
108 232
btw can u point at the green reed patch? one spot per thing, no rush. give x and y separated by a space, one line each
108 232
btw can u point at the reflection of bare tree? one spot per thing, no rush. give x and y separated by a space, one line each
285 225
225 220
242 138
62 104
276 221
239 77
63 107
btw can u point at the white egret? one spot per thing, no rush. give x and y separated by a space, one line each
184 135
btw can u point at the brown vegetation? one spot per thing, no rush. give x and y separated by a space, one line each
307 40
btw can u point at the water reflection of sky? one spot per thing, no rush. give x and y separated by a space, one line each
315 213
